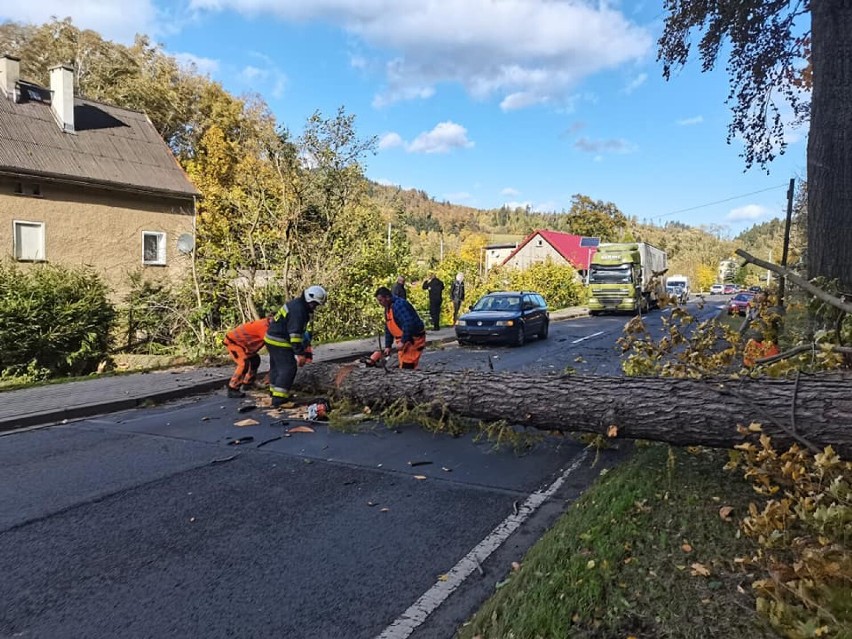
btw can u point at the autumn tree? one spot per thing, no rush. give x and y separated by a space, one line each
773 56
596 218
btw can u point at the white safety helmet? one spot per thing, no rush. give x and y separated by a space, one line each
316 294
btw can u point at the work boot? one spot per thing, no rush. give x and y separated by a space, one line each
235 393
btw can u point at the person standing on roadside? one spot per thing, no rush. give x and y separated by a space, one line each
285 341
404 327
398 289
436 297
457 295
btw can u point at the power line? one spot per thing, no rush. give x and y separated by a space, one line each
733 197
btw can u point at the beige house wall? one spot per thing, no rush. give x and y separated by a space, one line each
97 228
535 251
495 256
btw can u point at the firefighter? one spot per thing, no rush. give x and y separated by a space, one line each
244 344
285 341
404 327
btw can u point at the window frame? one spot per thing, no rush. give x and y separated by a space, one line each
16 248
162 257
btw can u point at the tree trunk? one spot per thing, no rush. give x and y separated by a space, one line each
830 142
678 411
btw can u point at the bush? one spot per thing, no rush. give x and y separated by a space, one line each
53 321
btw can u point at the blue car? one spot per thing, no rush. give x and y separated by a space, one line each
506 316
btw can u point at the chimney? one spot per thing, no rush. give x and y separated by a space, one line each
62 102
10 73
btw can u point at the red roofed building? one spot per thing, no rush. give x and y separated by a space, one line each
561 248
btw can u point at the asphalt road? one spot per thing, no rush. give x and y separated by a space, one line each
148 523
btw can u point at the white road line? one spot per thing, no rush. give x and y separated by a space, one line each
583 339
420 610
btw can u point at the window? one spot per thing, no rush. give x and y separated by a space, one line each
29 241
153 248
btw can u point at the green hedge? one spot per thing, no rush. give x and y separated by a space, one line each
53 321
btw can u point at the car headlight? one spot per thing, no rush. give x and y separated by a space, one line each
504 323
461 323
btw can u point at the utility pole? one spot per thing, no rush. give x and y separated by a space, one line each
768 272
782 281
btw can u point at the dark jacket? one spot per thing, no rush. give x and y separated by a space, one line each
288 326
398 290
457 291
435 288
406 318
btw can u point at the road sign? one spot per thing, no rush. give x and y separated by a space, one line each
590 242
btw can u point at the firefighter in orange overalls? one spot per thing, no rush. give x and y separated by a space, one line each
244 344
404 327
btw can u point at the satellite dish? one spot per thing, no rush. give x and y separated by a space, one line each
185 243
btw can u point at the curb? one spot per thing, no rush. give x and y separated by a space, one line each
56 416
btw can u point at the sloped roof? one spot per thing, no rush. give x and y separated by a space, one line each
566 244
112 147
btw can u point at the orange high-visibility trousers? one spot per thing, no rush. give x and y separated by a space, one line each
409 354
247 365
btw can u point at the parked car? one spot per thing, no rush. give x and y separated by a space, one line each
739 303
717 289
755 289
677 292
730 289
505 316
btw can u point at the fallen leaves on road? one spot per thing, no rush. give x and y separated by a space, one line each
699 570
612 431
421 477
246 422
725 513
686 547
516 566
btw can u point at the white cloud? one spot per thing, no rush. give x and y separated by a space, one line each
510 192
207 66
698 119
517 205
445 137
114 20
635 83
747 212
613 145
523 52
390 141
385 182
266 79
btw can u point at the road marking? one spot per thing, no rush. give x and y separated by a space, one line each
583 339
420 610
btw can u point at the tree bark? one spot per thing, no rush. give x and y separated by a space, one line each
830 141
679 411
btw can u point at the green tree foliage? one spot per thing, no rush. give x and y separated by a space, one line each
53 321
596 218
779 49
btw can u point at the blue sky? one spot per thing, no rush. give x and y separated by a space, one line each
480 102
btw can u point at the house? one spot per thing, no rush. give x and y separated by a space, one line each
561 248
85 183
497 253
728 270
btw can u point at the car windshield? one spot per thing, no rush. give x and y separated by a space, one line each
498 303
610 274
742 297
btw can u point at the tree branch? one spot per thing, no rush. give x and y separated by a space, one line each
798 280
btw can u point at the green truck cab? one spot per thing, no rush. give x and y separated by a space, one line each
621 277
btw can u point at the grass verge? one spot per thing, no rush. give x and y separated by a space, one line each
643 553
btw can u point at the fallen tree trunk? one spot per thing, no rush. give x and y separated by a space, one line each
814 410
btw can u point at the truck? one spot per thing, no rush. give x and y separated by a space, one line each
678 286
626 277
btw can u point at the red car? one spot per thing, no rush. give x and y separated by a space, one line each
739 303
730 289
